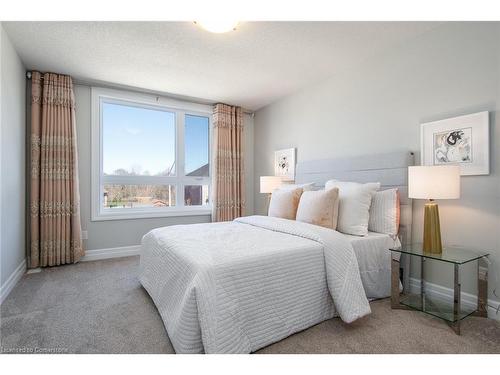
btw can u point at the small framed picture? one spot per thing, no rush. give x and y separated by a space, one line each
284 164
462 140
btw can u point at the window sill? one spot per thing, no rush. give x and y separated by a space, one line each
151 215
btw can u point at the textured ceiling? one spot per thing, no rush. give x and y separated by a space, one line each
252 66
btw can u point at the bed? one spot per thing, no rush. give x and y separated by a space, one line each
238 286
374 262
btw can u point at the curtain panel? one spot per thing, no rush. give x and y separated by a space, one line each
228 171
55 230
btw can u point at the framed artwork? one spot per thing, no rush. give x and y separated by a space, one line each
284 164
462 140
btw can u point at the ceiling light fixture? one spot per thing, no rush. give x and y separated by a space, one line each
217 25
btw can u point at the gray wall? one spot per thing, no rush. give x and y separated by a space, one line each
377 106
117 233
12 172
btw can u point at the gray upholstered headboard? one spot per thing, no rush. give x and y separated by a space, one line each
391 170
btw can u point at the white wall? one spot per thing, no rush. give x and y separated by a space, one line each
12 172
378 106
118 233
248 133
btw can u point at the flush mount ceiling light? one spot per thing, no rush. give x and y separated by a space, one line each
217 25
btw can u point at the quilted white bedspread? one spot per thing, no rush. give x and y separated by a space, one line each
238 286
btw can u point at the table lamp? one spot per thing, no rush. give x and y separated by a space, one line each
267 185
433 182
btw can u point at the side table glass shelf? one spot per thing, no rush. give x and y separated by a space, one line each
452 311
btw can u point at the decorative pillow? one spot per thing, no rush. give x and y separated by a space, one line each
305 187
319 208
354 205
284 203
385 212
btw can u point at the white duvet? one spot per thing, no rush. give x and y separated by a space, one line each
238 286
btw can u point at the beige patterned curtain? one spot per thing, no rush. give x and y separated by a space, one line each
228 174
54 194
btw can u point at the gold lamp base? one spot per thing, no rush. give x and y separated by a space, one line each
432 229
268 202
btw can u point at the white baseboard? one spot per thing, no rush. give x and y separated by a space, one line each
446 294
113 252
12 281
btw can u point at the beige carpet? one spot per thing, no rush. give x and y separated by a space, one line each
100 307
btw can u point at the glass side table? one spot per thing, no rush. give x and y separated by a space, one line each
452 312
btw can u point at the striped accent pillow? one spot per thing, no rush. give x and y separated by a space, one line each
385 212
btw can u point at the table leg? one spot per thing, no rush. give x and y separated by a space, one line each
422 283
456 301
455 326
482 288
395 304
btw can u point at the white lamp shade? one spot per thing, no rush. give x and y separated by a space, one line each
269 183
434 182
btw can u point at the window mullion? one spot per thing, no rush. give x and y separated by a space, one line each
180 158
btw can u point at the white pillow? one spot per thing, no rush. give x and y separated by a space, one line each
305 187
354 205
385 212
319 208
284 203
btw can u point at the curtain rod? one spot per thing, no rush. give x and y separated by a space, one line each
150 92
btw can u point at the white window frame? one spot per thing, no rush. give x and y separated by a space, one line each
180 108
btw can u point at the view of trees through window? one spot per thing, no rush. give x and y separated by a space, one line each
138 196
139 158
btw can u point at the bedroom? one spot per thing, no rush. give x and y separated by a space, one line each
264 187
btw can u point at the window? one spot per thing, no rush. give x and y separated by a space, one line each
151 157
